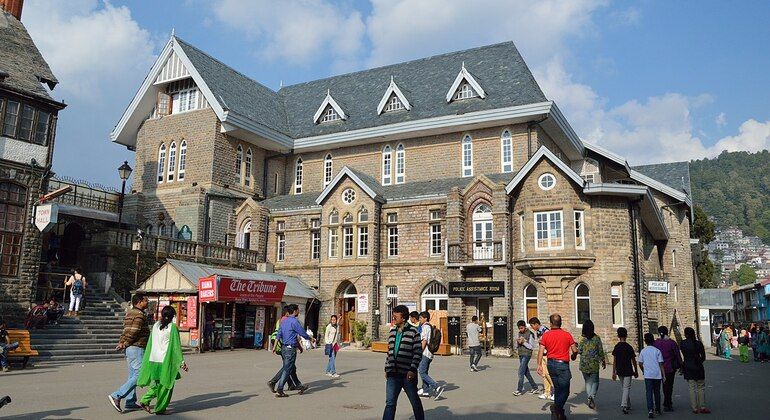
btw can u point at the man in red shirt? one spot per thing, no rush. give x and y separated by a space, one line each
559 346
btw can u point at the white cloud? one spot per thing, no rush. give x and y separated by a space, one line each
299 31
721 119
752 136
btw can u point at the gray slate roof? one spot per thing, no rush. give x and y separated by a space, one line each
715 298
676 174
20 58
499 69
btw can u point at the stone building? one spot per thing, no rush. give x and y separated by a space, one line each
28 116
447 183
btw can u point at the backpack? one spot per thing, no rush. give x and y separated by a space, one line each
77 287
435 339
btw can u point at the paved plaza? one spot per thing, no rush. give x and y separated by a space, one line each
227 385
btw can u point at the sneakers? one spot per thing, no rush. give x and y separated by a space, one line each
280 394
271 386
625 410
335 376
6 369
517 393
302 389
115 403
552 398
439 391
474 368
591 403
421 393
329 374
650 415
543 396
534 391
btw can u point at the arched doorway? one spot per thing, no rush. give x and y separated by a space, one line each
244 235
434 297
483 248
346 307
70 245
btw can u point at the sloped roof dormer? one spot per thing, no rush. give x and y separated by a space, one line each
329 101
543 153
466 76
393 89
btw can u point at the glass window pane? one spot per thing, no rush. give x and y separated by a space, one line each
443 304
430 305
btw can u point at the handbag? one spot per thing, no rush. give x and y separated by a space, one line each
328 350
336 348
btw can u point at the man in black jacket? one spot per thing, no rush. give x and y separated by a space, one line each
404 355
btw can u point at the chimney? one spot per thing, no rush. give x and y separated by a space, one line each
13 7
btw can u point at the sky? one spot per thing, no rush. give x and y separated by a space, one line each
654 81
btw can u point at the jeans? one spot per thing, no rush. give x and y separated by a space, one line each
475 355
524 371
592 384
561 377
625 399
75 302
653 393
428 384
393 387
134 356
292 381
4 349
289 356
697 394
668 389
331 366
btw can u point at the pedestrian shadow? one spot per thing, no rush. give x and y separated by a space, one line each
62 412
323 385
206 401
443 412
448 386
352 371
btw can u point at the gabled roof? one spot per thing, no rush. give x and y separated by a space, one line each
543 153
368 184
25 70
329 101
464 74
675 174
393 89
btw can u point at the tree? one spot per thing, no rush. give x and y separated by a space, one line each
707 273
702 227
744 275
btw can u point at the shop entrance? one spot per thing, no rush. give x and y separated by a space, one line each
346 305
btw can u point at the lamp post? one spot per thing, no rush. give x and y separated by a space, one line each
137 246
124 171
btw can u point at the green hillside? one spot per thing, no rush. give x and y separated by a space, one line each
734 188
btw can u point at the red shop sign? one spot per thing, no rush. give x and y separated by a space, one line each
221 289
207 289
192 312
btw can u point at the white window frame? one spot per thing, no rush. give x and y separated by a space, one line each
161 163
540 181
393 104
391 292
239 164
171 162
506 146
328 102
464 91
619 297
578 324
433 287
363 241
465 76
387 104
348 242
184 101
527 299
393 241
522 237
334 215
400 164
579 220
298 172
182 160
387 165
363 215
466 154
315 244
436 240
329 115
281 246
333 242
328 169
549 220
247 168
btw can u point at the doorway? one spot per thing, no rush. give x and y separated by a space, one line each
482 233
346 304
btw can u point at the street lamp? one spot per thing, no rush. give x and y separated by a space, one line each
124 171
137 246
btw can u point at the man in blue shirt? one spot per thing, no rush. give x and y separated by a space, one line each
288 331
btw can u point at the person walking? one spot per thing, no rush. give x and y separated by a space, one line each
473 329
292 381
525 342
401 364
763 345
77 283
559 346
672 362
591 356
651 363
692 369
743 346
133 340
331 346
624 366
754 336
162 360
429 386
724 343
288 333
540 329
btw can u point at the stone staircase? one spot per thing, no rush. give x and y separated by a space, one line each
93 336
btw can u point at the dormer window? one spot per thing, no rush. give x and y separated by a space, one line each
465 86
465 91
393 99
329 111
393 104
329 115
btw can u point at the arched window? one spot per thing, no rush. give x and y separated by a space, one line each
582 303
400 164
467 156
434 296
148 230
363 215
530 299
673 258
238 163
483 247
161 229
244 235
182 160
334 217
506 151
171 161
347 219
387 175
13 203
298 177
247 169
328 169
161 162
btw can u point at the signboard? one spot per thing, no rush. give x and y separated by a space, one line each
453 329
500 331
207 289
362 303
259 327
225 289
46 215
194 337
476 289
704 317
411 305
657 286
192 312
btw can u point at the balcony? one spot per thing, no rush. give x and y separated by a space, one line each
85 195
478 253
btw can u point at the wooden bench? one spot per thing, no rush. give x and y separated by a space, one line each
25 349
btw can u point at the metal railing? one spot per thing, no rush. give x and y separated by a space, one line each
477 252
85 195
190 250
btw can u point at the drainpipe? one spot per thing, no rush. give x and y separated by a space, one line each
376 275
206 213
637 278
509 265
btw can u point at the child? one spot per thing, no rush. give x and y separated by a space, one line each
651 363
624 365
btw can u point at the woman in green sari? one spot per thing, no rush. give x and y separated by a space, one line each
724 344
162 360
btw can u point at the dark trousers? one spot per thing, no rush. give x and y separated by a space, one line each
668 389
292 381
475 355
652 387
561 377
393 387
289 356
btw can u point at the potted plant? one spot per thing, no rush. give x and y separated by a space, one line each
359 333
